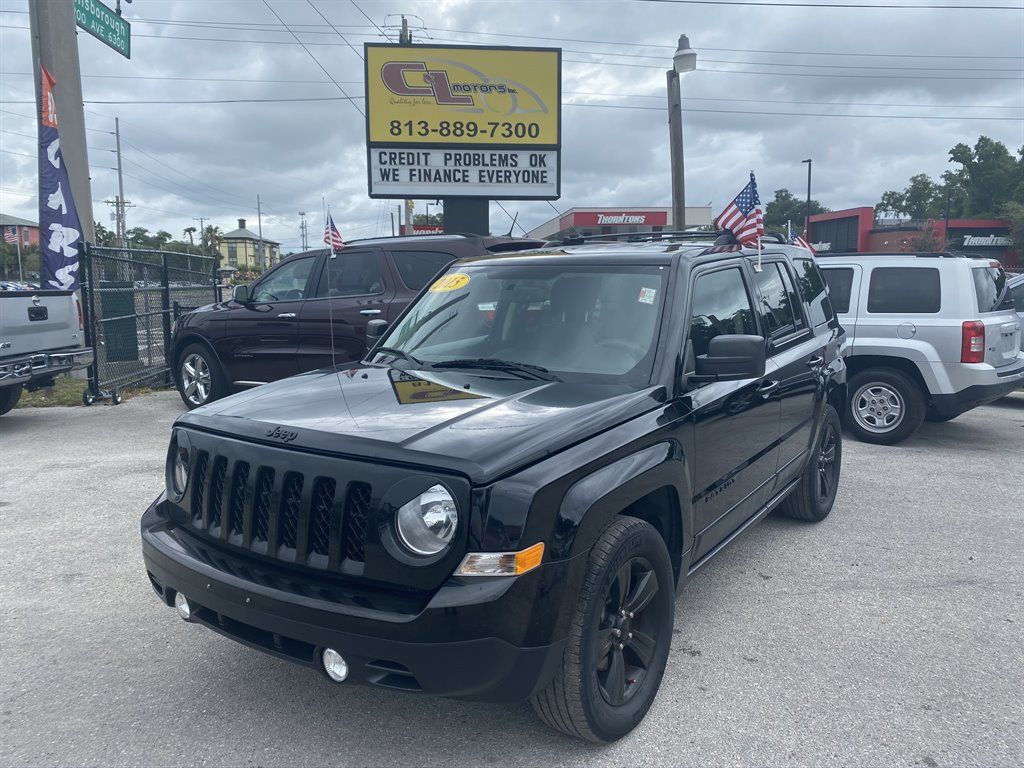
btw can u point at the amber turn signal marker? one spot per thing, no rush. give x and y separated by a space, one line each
501 563
529 558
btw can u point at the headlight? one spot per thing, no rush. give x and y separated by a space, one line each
180 464
427 524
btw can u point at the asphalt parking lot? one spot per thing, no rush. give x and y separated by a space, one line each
891 634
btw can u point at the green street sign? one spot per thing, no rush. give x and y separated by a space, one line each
105 25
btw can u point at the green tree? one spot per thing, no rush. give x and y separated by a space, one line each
433 219
1013 212
189 232
104 236
785 207
990 175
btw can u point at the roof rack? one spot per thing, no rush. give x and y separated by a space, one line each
895 254
643 237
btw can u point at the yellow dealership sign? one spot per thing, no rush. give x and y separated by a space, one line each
463 95
463 121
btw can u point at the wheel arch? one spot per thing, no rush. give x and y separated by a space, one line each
183 342
857 364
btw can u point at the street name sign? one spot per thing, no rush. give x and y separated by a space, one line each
105 25
463 121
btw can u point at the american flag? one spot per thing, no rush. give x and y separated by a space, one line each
332 236
796 240
743 216
10 235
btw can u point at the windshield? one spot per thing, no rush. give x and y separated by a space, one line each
573 321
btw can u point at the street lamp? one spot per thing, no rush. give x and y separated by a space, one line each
684 60
807 207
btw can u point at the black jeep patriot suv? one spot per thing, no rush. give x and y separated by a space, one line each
501 500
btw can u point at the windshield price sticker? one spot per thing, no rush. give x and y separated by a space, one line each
450 282
463 121
464 173
647 295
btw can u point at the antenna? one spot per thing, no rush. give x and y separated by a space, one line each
513 224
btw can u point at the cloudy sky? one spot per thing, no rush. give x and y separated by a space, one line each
941 76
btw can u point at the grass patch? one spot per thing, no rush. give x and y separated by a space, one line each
68 391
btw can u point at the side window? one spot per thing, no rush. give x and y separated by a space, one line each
840 287
721 305
1017 297
777 300
286 283
417 267
904 290
812 287
354 274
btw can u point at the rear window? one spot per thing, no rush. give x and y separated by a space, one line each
840 286
904 290
417 267
808 278
990 286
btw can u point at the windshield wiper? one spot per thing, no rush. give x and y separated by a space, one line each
494 364
398 353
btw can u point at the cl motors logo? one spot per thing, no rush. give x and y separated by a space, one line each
436 86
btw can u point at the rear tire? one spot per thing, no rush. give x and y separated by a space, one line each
9 397
199 376
813 497
886 406
608 681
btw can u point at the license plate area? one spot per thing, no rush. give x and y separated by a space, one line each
38 313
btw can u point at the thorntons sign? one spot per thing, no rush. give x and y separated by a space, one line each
619 218
989 241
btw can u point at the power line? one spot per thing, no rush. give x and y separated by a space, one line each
182 173
886 6
369 19
316 60
723 50
799 114
357 53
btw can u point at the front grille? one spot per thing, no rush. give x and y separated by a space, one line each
291 505
281 512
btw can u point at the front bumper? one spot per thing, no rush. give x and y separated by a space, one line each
979 394
483 639
26 369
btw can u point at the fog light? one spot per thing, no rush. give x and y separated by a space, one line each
182 607
335 666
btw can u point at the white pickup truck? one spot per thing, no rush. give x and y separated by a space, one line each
41 336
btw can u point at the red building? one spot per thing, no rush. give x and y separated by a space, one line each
856 230
26 231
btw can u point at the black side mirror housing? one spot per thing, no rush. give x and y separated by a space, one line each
731 357
374 330
240 293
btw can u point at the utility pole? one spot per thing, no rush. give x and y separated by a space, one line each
55 46
120 183
303 233
392 223
405 36
202 233
684 60
259 224
807 205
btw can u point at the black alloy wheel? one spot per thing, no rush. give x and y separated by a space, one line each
815 493
625 636
619 636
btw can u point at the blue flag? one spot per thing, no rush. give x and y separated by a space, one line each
60 230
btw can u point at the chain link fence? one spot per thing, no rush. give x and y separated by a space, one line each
130 298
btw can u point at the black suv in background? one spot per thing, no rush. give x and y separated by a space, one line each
310 311
500 502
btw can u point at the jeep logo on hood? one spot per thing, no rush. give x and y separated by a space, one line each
284 435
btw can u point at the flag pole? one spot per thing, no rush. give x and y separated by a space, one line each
17 239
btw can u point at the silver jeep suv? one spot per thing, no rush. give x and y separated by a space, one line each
929 336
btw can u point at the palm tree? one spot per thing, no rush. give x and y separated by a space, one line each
188 232
211 238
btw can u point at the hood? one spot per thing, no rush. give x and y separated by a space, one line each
476 424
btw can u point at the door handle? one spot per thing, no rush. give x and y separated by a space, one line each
767 388
287 314
816 362
369 311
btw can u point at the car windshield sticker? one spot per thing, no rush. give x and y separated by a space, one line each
450 283
647 295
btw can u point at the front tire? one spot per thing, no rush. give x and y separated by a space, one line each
619 638
9 397
200 377
814 495
886 406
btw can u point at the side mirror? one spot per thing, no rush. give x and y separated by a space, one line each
374 330
240 293
731 357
